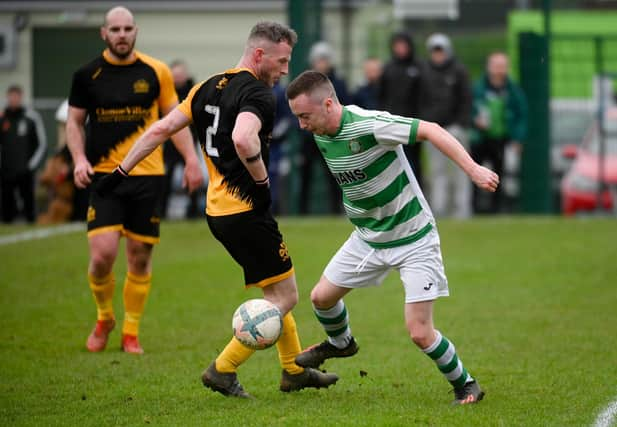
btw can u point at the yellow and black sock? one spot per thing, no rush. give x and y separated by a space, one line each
288 345
232 356
136 290
103 291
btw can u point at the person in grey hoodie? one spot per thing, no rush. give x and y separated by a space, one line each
399 90
446 100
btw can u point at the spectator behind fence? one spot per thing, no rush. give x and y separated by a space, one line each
284 125
446 100
367 95
499 121
321 58
183 82
23 146
399 90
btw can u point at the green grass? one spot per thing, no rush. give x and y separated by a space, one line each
532 312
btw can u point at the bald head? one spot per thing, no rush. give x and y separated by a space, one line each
118 13
119 32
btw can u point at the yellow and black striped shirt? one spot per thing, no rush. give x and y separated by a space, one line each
213 106
122 99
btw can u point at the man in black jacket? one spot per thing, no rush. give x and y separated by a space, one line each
22 148
446 100
399 90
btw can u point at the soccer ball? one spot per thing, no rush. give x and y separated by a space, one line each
257 324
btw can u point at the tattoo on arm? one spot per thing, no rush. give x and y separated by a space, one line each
254 158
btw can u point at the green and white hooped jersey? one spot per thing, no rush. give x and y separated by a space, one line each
380 193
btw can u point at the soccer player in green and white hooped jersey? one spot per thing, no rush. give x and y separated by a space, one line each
395 228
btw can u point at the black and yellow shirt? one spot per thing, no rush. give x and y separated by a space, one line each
122 99
213 106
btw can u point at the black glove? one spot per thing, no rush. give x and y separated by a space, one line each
261 196
108 183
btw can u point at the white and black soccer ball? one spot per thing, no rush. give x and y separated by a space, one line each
257 324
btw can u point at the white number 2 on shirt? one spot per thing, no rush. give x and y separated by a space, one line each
211 150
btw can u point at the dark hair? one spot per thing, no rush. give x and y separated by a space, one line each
15 88
307 82
274 32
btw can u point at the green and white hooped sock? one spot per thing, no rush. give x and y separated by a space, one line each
335 322
444 355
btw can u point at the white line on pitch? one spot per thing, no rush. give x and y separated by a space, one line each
41 233
607 417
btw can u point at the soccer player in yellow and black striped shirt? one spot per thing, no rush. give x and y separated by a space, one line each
113 100
233 112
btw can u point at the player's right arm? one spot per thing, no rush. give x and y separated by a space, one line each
154 136
76 142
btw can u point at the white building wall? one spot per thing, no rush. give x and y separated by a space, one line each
208 41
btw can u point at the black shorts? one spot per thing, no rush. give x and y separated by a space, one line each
134 208
255 242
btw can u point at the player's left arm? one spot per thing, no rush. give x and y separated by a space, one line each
183 141
449 146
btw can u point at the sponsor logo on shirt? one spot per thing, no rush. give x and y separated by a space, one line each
349 177
141 86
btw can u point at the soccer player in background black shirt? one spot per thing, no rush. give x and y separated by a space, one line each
121 93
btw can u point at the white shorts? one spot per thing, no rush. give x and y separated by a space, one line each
357 265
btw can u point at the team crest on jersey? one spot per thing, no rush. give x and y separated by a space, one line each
355 146
141 86
222 83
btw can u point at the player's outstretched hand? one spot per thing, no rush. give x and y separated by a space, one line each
108 183
485 178
262 198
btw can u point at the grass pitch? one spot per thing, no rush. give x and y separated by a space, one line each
532 312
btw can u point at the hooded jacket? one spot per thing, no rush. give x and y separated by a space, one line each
446 89
399 86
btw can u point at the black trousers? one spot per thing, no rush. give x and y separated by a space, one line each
491 151
24 184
